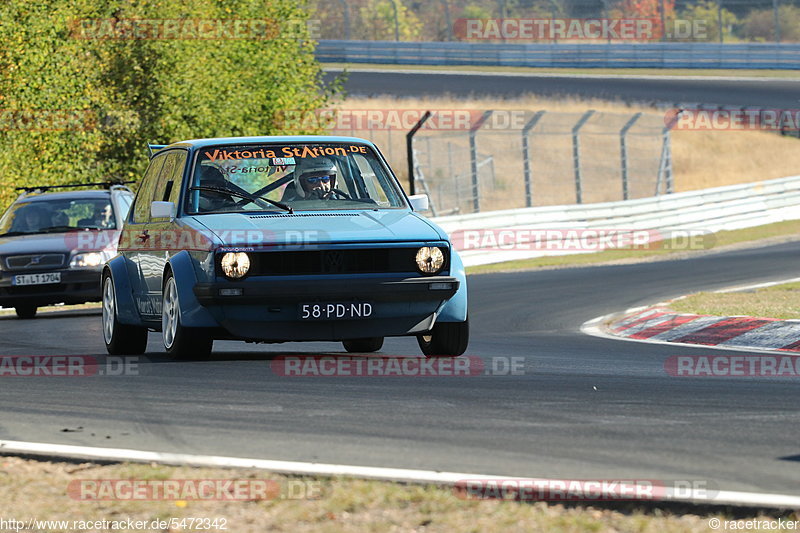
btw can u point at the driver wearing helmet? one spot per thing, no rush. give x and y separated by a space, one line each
315 179
214 200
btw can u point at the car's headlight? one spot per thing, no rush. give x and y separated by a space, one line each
430 259
235 265
89 259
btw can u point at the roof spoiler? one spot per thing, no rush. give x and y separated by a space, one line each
43 188
155 148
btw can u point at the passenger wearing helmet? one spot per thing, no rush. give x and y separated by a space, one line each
314 179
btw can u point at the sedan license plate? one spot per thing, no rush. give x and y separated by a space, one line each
335 311
37 279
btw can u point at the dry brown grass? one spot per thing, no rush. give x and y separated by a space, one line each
701 159
778 301
706 159
33 489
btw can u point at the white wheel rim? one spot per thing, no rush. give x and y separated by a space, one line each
169 313
109 311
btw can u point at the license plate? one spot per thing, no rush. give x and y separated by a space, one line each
37 279
335 311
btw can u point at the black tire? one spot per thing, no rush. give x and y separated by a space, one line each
180 341
120 339
363 345
446 339
26 311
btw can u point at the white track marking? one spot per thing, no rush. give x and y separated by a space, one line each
523 74
723 497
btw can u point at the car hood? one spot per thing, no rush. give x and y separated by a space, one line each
57 242
321 227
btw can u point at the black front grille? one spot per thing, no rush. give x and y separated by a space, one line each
334 261
34 261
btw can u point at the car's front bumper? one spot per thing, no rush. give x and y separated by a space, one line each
77 286
269 310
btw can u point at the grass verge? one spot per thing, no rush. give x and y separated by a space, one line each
701 158
789 74
675 247
778 301
51 491
4 311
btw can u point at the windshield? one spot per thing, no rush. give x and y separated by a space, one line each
303 177
52 216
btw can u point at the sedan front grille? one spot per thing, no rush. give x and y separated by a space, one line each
34 261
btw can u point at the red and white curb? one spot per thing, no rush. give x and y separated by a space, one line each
659 324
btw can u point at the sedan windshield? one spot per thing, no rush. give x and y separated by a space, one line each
53 216
303 177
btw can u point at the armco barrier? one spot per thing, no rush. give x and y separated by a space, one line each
567 55
709 210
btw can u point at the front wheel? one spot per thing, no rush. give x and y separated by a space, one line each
363 345
180 341
121 339
26 311
446 339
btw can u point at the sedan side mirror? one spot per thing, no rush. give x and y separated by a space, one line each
162 210
419 202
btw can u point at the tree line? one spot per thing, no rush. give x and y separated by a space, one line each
86 84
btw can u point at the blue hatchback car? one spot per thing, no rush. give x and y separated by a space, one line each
278 239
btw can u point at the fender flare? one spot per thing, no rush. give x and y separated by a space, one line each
193 315
127 312
455 309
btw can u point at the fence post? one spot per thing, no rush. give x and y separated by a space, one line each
526 157
719 20
346 18
623 152
473 159
576 154
456 184
412 187
777 21
668 167
429 154
448 20
665 163
396 20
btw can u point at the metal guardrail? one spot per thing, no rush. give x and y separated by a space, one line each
616 55
709 210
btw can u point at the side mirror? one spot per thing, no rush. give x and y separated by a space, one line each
419 202
162 210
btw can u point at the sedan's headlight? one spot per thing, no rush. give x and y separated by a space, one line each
89 259
430 259
235 265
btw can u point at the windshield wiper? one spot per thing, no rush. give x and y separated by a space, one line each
40 231
57 229
251 197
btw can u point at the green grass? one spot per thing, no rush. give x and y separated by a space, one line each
777 301
585 71
670 247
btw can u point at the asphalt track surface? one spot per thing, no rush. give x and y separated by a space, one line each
783 94
584 408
